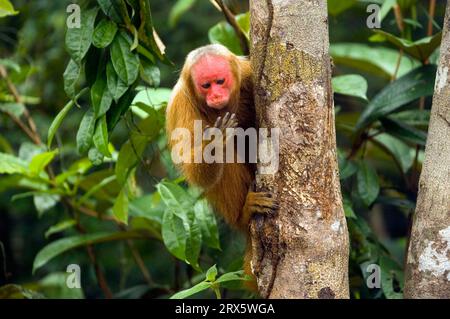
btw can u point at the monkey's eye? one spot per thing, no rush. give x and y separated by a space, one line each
206 85
220 81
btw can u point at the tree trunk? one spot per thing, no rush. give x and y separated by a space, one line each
428 261
302 252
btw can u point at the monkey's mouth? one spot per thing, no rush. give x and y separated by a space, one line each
218 104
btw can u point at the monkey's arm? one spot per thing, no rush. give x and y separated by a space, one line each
182 114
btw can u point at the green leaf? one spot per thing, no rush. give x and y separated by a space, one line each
110 9
178 9
192 291
391 278
417 118
62 245
375 60
40 162
232 276
156 98
211 273
101 98
150 73
86 132
71 76
346 167
402 152
385 8
368 186
116 86
61 226
10 64
351 84
60 117
404 132
13 108
224 34
10 164
125 62
193 240
175 197
410 87
208 224
45 202
348 209
120 208
420 49
57 122
120 108
336 7
7 9
174 234
78 40
104 33
101 136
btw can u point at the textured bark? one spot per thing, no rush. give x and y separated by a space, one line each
302 252
428 261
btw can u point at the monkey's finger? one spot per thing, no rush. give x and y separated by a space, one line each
217 123
226 117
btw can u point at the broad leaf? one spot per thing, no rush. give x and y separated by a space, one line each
62 245
368 186
150 73
420 49
101 98
376 60
104 33
120 208
351 84
192 291
101 136
410 87
78 40
10 164
403 153
116 86
71 76
174 234
208 224
7 9
61 226
125 62
40 162
85 132
404 132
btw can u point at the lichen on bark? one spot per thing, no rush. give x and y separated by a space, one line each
303 251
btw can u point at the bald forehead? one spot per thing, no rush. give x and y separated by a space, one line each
210 67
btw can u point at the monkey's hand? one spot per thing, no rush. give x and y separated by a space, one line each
228 121
222 123
258 203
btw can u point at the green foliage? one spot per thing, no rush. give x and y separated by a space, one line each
7 9
351 84
211 282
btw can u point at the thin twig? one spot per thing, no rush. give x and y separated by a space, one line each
431 10
229 16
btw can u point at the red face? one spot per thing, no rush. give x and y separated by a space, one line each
213 80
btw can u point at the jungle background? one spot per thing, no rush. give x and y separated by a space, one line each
86 177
